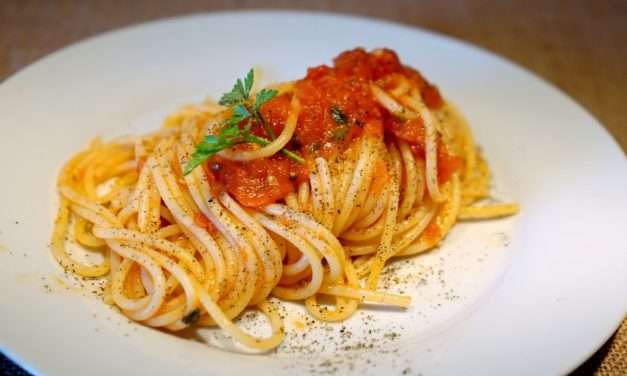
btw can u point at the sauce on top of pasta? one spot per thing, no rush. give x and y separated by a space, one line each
337 107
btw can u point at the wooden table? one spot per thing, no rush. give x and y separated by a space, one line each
579 46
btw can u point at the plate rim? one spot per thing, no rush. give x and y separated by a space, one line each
340 16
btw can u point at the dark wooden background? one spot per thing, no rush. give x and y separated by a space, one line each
579 46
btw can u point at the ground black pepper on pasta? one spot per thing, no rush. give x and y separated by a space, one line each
248 225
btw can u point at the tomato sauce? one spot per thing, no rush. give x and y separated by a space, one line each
204 222
380 178
431 234
259 182
447 163
337 107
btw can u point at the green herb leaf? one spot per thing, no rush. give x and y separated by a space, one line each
248 81
338 115
263 96
209 146
240 92
341 119
240 113
235 96
236 129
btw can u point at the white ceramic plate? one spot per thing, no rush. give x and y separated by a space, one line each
534 294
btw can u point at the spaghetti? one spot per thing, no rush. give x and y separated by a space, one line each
335 174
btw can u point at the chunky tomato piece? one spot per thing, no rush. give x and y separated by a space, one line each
384 62
258 182
414 76
390 81
412 131
447 164
369 66
204 222
354 63
431 96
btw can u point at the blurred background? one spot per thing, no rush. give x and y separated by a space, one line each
580 46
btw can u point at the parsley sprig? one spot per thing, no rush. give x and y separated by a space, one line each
236 129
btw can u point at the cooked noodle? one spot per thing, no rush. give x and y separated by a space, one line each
182 250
